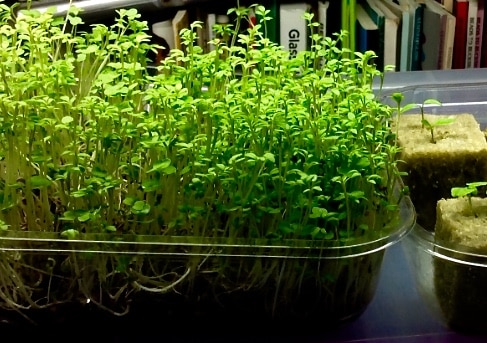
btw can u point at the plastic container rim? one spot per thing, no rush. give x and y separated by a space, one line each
206 246
450 251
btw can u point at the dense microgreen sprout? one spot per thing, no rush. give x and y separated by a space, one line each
204 171
70 106
241 141
277 147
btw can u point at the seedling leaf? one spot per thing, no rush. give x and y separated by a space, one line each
70 234
38 181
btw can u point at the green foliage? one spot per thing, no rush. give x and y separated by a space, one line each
239 142
471 189
399 97
439 122
432 125
427 102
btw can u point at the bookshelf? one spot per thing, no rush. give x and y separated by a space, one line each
428 34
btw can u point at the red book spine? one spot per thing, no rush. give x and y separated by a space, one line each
483 47
460 10
479 34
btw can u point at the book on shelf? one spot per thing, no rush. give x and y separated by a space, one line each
447 4
210 31
213 19
199 14
483 55
322 16
293 35
379 19
405 42
438 36
179 22
479 35
483 48
418 10
415 10
163 34
460 11
166 34
483 44
449 42
431 38
471 32
367 31
392 35
206 33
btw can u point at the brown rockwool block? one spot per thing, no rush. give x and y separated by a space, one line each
460 287
461 223
458 156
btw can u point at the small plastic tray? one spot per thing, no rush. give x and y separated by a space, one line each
459 91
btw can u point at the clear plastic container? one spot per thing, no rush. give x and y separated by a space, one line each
459 91
450 279
214 284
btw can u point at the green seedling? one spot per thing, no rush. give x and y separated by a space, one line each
432 125
399 98
470 190
422 106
